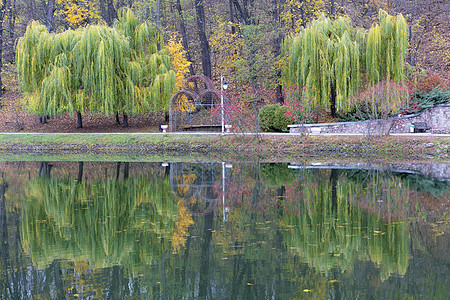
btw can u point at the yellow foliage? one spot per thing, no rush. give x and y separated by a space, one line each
181 227
185 180
226 47
298 13
77 12
180 65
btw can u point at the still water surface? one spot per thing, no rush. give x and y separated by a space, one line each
73 230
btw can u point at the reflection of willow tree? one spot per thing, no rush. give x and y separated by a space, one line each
276 175
329 230
103 223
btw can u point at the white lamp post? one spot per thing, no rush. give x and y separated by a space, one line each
223 86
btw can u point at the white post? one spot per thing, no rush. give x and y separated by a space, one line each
221 102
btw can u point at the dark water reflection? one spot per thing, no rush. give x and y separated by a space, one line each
221 231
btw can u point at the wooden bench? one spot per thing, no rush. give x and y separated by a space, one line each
214 127
421 127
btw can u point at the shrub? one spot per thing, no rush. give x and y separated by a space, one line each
381 101
280 121
298 106
426 84
267 115
272 118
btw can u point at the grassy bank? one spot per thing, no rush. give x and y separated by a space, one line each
392 148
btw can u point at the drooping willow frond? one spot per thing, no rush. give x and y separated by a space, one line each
98 68
386 49
336 55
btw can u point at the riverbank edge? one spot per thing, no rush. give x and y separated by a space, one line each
282 147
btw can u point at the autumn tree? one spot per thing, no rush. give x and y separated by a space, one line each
76 13
97 68
178 60
330 58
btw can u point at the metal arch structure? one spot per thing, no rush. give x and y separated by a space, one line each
196 106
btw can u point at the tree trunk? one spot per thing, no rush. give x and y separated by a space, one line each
117 118
118 170
126 170
245 19
205 279
79 120
50 10
333 9
103 11
333 100
11 27
4 241
277 48
158 21
334 176
43 119
158 14
206 55
44 169
233 29
2 15
112 13
80 171
184 36
242 12
125 120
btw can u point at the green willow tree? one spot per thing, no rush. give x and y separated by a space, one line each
333 58
96 68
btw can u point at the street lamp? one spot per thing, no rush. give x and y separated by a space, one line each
223 86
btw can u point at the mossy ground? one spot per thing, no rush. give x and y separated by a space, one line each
266 147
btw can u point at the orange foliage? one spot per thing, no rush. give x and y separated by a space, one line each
427 83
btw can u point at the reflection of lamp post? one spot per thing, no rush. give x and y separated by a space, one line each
223 86
223 182
225 210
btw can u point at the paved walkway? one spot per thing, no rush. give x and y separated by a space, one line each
217 133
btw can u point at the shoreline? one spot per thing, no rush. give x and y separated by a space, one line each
276 147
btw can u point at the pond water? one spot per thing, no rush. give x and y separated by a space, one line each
111 230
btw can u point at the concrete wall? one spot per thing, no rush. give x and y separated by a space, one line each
438 118
434 170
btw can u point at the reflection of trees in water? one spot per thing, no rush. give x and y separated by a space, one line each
252 255
193 184
328 228
103 223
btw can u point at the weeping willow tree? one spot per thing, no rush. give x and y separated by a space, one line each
333 58
96 68
103 223
386 49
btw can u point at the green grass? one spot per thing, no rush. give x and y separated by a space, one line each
159 147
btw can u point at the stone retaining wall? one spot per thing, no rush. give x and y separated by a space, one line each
439 171
437 118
